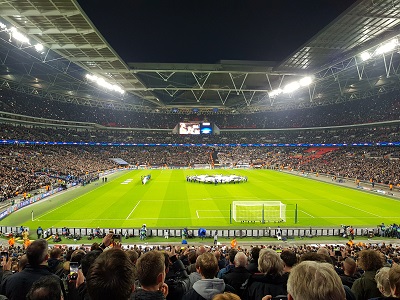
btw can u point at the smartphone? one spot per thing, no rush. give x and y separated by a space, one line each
73 270
4 254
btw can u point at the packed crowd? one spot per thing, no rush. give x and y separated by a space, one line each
374 109
25 168
111 270
346 135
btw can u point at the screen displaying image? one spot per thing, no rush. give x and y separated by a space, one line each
189 128
206 128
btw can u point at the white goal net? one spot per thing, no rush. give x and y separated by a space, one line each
259 211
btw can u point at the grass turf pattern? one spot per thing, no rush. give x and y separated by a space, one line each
169 201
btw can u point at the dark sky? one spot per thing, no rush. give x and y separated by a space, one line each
207 31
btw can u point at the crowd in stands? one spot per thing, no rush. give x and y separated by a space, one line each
374 109
110 270
334 136
25 168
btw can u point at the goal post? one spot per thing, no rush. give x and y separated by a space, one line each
258 211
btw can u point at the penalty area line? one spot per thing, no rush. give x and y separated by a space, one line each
133 210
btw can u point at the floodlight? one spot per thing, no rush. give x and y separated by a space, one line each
291 87
39 47
19 36
365 55
386 47
306 81
103 83
275 93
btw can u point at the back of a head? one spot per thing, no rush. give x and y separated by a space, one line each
394 280
46 288
88 260
323 250
315 280
133 255
313 256
232 253
382 281
350 266
37 252
289 258
255 253
269 262
55 252
208 265
240 260
370 260
226 296
149 266
111 276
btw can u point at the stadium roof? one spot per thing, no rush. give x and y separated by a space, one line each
74 47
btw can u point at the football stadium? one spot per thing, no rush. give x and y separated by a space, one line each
90 140
199 149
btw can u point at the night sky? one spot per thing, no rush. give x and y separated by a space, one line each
192 31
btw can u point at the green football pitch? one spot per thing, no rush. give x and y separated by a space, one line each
169 201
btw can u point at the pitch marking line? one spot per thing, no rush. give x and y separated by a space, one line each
307 214
357 208
133 210
69 202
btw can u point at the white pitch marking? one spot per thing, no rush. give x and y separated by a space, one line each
132 210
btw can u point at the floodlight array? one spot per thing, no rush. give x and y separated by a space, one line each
15 34
103 83
291 87
383 48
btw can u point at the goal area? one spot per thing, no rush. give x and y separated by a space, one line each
258 211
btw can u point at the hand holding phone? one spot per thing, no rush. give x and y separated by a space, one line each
73 270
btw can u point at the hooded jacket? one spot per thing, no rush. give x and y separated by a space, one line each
206 289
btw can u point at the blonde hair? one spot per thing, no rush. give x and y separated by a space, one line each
226 296
269 262
315 280
382 281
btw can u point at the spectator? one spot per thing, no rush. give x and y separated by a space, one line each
18 285
55 262
382 282
231 254
349 272
253 265
394 280
271 280
226 296
208 286
365 287
111 276
237 276
289 259
314 280
46 288
151 275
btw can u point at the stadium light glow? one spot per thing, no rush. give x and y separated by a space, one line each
365 56
103 83
17 35
39 48
386 47
306 81
291 87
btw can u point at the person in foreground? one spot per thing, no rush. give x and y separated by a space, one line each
151 276
208 286
313 280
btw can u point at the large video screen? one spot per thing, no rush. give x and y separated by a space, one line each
195 128
189 128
